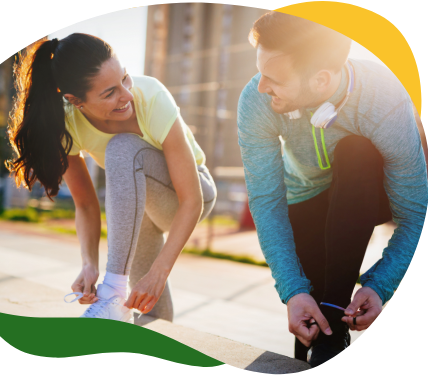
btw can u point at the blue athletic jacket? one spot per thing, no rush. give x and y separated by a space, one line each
379 109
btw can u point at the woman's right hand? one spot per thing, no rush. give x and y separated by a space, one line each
85 283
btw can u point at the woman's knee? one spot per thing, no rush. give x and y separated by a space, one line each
122 149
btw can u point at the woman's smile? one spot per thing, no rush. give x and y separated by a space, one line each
122 109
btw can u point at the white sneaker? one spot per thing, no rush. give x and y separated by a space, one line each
110 305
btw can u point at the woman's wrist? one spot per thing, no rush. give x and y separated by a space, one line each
160 269
90 260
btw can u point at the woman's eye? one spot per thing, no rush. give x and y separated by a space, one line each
110 94
124 78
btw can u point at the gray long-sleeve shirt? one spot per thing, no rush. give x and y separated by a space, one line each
379 109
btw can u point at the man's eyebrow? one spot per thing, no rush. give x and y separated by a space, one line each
279 83
112 88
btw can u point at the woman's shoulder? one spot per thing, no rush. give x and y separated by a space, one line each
149 86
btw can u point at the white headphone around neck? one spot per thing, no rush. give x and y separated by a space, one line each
327 113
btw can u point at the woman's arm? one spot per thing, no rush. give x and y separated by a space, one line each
88 225
184 175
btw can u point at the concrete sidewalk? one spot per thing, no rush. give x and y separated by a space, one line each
233 300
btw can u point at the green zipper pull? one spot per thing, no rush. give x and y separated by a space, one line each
323 146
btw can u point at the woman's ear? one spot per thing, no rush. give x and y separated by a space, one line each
73 100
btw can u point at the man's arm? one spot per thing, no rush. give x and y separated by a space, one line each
258 131
397 138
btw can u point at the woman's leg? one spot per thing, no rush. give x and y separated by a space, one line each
140 205
161 206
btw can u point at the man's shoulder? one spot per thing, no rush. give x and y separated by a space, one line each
379 91
250 95
378 79
252 103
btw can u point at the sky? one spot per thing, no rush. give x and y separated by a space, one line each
125 31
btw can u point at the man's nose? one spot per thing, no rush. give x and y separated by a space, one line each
263 87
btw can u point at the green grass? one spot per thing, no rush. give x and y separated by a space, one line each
234 258
29 215
34 216
221 221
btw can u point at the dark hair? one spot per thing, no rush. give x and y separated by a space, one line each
312 46
37 131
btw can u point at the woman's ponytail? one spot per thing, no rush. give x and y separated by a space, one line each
37 130
37 125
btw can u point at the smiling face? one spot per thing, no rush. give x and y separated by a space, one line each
110 98
289 90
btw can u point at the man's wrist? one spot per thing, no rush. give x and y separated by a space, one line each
296 293
376 289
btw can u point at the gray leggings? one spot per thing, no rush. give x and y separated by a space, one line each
140 205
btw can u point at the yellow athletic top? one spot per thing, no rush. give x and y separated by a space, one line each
156 113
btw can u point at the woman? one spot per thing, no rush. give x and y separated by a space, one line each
74 95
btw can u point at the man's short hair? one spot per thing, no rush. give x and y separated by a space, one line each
312 47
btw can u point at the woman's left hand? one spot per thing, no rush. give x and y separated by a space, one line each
147 291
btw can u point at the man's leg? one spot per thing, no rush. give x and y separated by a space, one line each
357 203
308 220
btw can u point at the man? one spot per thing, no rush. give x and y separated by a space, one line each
315 206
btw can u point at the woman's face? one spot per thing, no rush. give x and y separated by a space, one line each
110 97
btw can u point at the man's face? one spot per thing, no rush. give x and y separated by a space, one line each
288 89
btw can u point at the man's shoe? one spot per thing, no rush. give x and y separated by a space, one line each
326 347
110 305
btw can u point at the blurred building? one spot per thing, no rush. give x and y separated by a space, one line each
201 53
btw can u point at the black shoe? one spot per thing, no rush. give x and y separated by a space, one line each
326 347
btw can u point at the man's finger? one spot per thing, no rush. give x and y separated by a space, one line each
367 318
359 300
322 321
303 341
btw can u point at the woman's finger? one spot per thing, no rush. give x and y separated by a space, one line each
149 306
144 303
131 299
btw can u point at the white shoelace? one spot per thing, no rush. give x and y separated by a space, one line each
95 307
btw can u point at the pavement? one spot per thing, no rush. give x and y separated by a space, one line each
233 300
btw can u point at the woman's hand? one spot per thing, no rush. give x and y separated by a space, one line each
366 307
85 283
147 291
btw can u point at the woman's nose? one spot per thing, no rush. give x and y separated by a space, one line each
127 95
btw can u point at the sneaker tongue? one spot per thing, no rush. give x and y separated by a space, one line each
106 292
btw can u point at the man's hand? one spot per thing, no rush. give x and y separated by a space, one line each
302 311
366 306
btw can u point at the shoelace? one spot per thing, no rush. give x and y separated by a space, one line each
94 309
95 306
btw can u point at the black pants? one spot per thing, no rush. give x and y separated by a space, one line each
332 230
